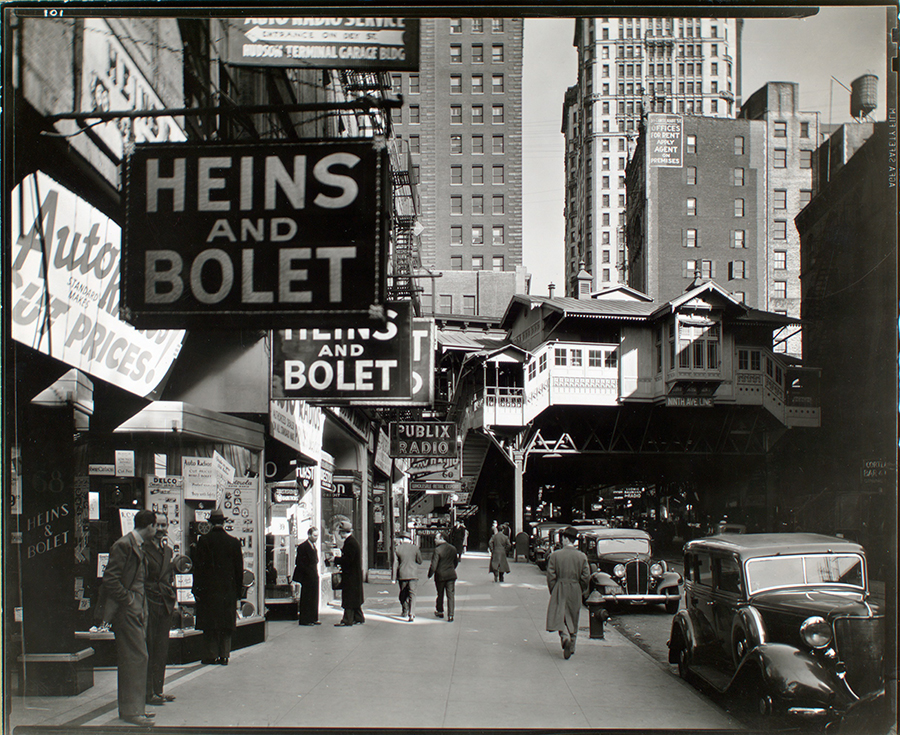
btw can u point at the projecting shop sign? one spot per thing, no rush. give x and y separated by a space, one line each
254 235
342 360
416 439
665 140
369 44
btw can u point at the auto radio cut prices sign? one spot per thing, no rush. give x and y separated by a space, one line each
254 235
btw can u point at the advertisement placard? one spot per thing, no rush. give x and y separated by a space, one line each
165 495
254 235
434 469
199 475
415 439
299 425
342 360
370 44
665 140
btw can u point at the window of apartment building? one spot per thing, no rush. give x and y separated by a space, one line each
397 115
780 130
621 107
780 160
605 275
714 69
497 53
780 199
605 145
455 54
497 235
606 108
606 200
605 181
736 270
805 158
477 84
414 144
477 25
416 173
477 175
497 145
477 144
497 175
477 114
456 114
456 175
496 25
455 145
606 89
604 164
605 255
780 229
691 144
455 84
455 25
738 239
477 262
621 200
497 262
396 83
497 114
498 204
739 177
779 260
478 234
805 197
477 204
414 114
468 305
456 262
691 174
497 85
456 205
456 235
414 84
779 289
445 303
691 207
605 219
690 238
739 145
622 163
804 130
738 207
606 126
621 144
477 53
714 49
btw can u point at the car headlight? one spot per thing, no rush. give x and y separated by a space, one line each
815 632
619 570
656 569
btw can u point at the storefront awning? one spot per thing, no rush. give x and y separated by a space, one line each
163 417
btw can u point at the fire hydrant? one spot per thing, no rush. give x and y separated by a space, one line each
598 614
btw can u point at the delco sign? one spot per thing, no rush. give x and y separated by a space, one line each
254 235
423 439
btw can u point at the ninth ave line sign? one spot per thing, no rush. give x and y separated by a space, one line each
414 439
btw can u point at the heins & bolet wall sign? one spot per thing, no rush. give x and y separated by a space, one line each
368 44
253 235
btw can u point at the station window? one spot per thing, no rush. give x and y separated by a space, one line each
595 358
559 356
575 357
543 362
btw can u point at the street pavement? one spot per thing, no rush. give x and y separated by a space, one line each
493 667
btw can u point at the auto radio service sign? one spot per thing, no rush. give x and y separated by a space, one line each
254 235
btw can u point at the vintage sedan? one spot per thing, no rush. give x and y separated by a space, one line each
623 569
783 618
543 542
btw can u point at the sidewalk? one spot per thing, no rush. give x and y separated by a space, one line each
494 667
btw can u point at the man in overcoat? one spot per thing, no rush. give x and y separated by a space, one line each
306 574
568 574
407 558
218 581
443 569
160 586
350 562
499 547
122 604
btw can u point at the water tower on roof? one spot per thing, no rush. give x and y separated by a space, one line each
863 96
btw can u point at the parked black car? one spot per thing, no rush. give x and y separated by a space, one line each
543 542
623 569
785 618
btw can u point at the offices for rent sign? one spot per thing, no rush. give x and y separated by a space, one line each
254 235
665 140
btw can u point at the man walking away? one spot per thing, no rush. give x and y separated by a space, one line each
568 574
306 574
350 561
123 605
159 584
443 569
407 558
218 581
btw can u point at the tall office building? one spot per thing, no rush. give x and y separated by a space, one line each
627 67
462 118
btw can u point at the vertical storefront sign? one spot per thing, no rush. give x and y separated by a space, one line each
240 501
299 425
665 140
166 495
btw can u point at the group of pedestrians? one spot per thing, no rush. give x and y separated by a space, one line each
137 600
444 560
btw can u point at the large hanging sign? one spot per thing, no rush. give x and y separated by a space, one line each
434 469
342 360
64 263
424 338
416 439
665 140
299 425
368 44
254 235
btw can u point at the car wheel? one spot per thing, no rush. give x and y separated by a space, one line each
672 606
740 647
684 662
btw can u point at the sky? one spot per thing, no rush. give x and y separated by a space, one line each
843 42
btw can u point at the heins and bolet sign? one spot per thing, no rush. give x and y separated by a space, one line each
254 233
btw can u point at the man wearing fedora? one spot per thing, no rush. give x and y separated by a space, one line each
218 581
568 575
407 558
350 561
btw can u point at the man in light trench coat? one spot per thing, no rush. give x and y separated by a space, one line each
568 574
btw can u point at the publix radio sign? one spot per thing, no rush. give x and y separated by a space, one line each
423 439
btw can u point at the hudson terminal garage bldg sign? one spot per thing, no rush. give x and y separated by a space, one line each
254 235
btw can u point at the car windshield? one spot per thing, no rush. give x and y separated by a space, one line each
623 545
805 570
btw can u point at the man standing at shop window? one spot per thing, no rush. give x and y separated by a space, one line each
123 605
159 584
306 574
